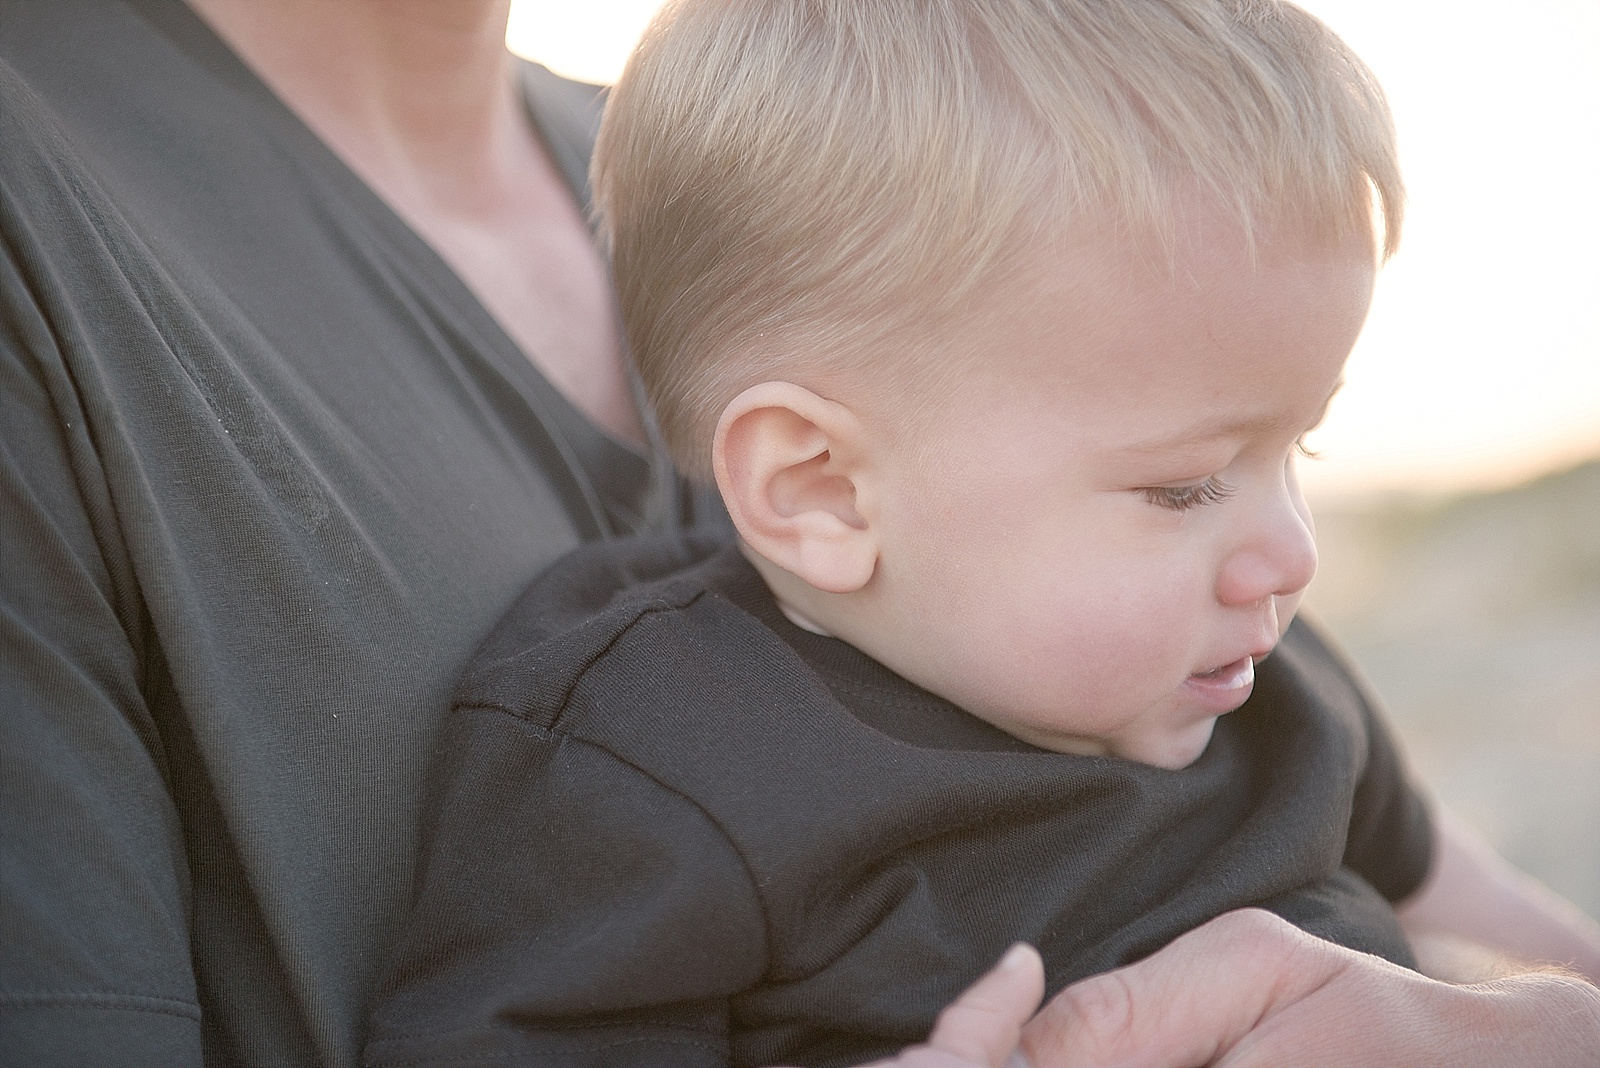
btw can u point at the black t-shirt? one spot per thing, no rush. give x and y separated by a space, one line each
670 827
268 474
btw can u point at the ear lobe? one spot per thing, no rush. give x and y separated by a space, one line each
790 466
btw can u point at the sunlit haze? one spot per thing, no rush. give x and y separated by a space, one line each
1480 364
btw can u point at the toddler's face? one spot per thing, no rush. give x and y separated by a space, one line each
1102 531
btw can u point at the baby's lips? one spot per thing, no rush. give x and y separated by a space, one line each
1223 689
1244 666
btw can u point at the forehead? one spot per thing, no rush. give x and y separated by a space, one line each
1184 336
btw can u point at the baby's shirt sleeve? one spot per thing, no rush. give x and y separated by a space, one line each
1390 843
571 911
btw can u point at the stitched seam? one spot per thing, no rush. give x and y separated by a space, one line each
571 685
408 1037
557 734
892 694
100 1000
744 861
650 608
733 845
484 1058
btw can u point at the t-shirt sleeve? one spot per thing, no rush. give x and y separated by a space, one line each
571 911
94 902
1390 843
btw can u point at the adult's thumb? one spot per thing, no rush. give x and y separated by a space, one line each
1187 1004
984 1025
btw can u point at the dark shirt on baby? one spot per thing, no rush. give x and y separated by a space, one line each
670 827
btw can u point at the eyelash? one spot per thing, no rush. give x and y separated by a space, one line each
1212 491
1182 498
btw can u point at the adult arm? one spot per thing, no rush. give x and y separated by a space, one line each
1249 990
1464 908
94 895
1473 898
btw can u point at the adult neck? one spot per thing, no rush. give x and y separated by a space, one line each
419 98
416 95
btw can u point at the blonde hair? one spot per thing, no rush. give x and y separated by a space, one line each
782 181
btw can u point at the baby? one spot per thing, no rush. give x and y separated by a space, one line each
998 324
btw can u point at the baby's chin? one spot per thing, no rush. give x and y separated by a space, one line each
1171 749
1174 748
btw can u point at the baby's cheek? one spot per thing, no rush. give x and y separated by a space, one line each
1286 607
1099 627
1103 643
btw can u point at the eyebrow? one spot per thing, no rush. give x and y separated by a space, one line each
1214 429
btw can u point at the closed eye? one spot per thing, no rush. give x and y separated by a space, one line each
1182 498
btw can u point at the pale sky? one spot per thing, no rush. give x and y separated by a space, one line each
1480 363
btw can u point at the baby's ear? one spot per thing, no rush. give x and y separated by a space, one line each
793 468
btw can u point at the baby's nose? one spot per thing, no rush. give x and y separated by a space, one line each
1277 558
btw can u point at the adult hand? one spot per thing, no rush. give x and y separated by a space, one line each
981 1028
1248 990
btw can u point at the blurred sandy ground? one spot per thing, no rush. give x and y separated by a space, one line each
1477 621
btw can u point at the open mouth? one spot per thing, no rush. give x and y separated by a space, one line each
1237 673
1222 689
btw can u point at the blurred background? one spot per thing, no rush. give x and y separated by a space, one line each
1457 491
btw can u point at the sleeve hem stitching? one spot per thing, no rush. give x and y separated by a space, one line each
99 1000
